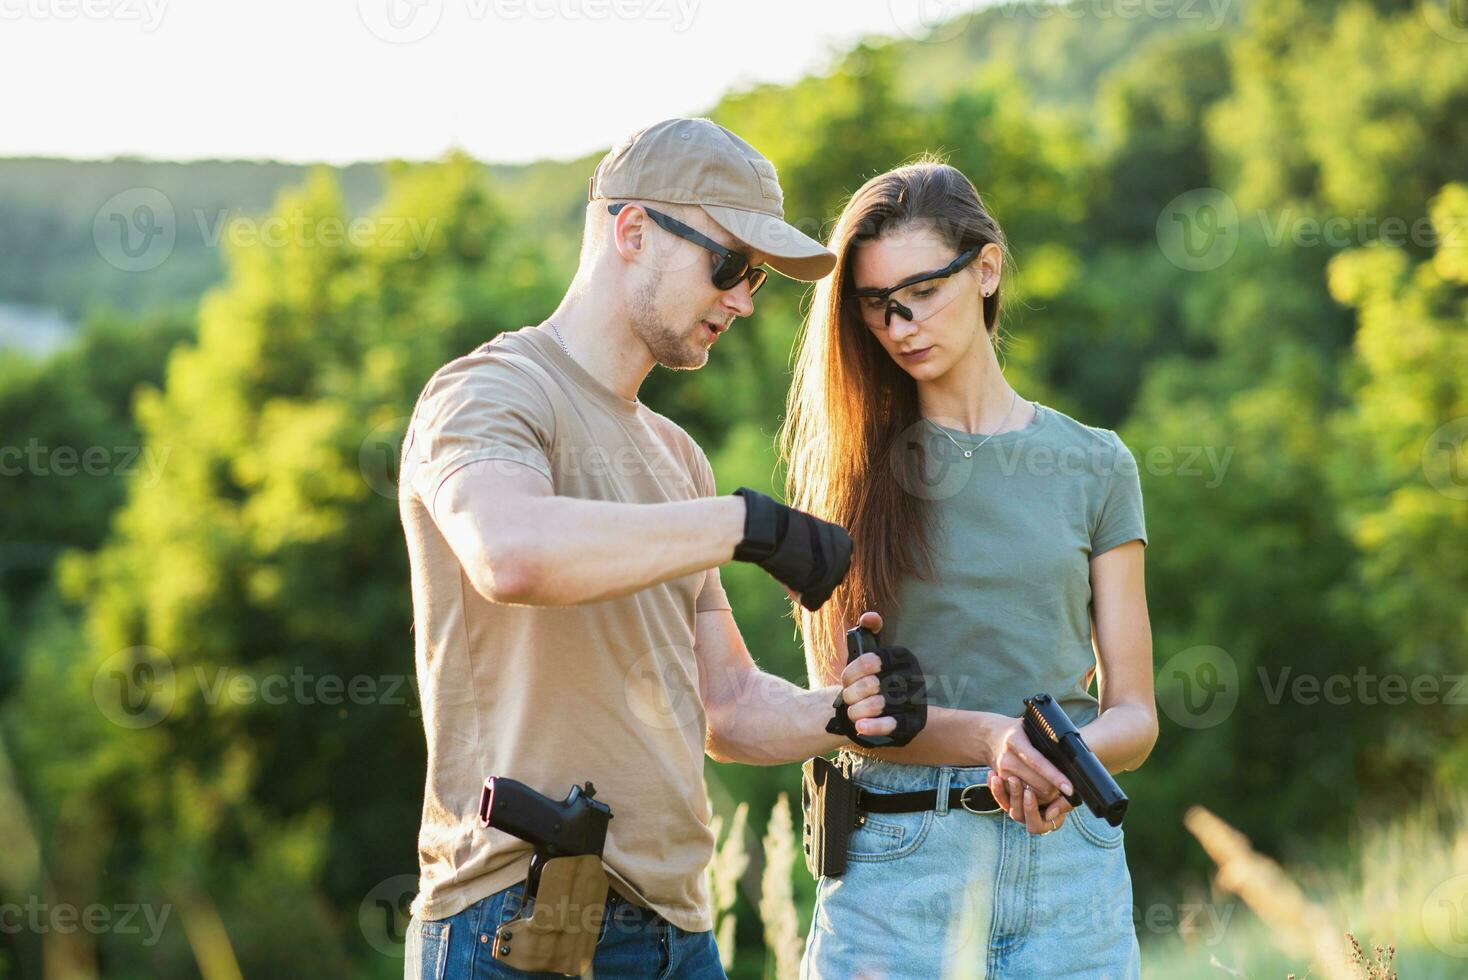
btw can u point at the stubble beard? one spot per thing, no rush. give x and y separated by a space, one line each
669 346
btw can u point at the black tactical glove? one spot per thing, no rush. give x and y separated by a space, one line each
806 554
902 686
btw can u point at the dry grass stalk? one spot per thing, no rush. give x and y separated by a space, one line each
1299 926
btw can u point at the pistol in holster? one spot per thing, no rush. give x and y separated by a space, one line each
566 889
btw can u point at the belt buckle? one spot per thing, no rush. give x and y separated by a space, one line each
963 799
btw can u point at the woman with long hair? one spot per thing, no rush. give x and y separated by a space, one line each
1001 541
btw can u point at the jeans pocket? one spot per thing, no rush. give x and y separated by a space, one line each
1095 829
883 836
427 949
509 900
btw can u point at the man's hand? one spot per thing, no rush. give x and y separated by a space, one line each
807 555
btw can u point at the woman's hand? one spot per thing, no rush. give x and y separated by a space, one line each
1024 782
1018 800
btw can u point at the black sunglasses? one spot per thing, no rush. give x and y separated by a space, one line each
885 294
733 267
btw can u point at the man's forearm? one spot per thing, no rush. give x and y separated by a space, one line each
561 551
765 720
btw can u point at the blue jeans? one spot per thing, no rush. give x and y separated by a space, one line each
949 892
635 944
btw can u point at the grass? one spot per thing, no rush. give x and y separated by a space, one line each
1395 905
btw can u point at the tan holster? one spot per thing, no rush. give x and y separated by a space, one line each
561 933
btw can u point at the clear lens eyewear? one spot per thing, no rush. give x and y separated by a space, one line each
916 298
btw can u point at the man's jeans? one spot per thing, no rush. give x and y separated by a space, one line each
635 944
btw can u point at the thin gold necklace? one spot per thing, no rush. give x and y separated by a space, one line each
968 453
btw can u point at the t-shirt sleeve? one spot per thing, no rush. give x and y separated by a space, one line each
712 595
1121 519
477 408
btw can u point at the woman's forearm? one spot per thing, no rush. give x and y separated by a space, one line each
1122 736
952 737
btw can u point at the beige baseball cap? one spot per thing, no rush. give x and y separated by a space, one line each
697 161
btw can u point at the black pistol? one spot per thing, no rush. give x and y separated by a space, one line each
1050 730
565 828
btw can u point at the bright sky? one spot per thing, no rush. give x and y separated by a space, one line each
344 80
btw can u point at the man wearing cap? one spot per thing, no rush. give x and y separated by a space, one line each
565 542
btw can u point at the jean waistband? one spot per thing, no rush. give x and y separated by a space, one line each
903 776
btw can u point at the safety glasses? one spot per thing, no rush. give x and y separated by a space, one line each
915 298
733 267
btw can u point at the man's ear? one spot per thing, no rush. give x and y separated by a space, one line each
629 226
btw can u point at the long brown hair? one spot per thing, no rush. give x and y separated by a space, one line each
850 406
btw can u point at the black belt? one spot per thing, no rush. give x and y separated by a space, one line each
975 798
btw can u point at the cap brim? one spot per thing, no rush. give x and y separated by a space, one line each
790 251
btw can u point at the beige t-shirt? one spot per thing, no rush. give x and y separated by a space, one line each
551 696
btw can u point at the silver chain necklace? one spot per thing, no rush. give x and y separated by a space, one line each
968 453
562 342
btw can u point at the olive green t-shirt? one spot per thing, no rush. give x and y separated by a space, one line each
1007 613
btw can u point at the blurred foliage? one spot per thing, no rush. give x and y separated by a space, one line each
1299 410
